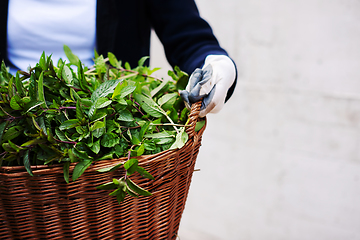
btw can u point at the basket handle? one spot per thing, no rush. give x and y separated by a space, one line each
193 117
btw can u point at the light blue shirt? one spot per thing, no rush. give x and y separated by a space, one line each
35 26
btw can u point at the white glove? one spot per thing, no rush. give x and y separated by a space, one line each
211 83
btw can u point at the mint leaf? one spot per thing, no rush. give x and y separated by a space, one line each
80 168
72 57
104 89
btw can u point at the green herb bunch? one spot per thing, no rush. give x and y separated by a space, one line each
70 113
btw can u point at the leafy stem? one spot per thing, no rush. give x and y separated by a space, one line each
167 116
74 143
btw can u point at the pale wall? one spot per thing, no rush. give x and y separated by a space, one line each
282 159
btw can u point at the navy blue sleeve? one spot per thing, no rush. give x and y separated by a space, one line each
186 37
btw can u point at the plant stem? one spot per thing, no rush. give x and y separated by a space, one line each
74 143
169 118
12 117
169 124
143 114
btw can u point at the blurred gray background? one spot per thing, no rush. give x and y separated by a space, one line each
281 161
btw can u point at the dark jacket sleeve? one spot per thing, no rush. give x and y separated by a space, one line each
186 37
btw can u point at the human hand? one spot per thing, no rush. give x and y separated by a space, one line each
211 83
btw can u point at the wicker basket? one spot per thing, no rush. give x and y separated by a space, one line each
46 207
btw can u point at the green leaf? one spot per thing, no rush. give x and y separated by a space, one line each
104 89
173 114
61 65
86 102
66 171
117 90
150 146
100 64
113 61
96 54
27 163
168 99
96 147
125 115
140 150
99 132
14 102
11 88
148 105
33 142
109 140
182 82
81 153
72 156
143 130
173 75
12 133
158 88
181 139
8 148
81 77
98 116
108 156
79 112
110 169
80 168
137 189
33 87
72 57
42 61
41 96
144 173
19 85
116 192
127 90
129 163
60 135
97 125
69 124
25 100
184 114
130 170
32 105
131 192
74 95
102 102
135 141
15 147
161 141
107 186
199 125
3 125
92 111
162 134
67 75
142 61
120 196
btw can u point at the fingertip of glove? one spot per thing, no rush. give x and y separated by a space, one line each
185 97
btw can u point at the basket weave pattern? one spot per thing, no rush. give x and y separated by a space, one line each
46 207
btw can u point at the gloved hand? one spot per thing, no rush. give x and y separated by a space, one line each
210 83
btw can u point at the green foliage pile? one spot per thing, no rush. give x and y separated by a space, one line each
70 113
